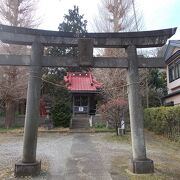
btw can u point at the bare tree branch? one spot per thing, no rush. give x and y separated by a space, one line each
13 80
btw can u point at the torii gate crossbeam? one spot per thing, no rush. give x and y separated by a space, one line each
85 42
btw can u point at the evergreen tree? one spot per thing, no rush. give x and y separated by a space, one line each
157 87
75 23
157 80
56 90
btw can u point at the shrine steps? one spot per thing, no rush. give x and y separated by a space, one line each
80 121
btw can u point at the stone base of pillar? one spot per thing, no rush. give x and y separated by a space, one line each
27 169
141 166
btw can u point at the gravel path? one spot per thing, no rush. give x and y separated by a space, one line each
81 161
88 157
68 157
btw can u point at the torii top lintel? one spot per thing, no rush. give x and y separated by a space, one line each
142 39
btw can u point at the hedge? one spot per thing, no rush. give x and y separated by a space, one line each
164 121
61 115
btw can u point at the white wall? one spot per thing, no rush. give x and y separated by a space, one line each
176 99
173 86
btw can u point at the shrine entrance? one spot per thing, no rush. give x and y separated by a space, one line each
80 104
37 39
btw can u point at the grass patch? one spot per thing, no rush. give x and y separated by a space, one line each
13 129
104 129
101 127
8 173
56 129
147 177
40 129
154 139
114 138
161 173
119 168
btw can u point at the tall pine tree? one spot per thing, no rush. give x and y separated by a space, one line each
55 89
75 23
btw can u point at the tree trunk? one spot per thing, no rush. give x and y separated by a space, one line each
10 113
147 93
117 129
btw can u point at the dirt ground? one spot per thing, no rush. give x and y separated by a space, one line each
90 156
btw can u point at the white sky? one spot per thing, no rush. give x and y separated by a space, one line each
157 14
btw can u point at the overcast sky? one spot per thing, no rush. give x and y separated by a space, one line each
157 14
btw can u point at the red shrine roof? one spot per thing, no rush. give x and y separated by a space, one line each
81 82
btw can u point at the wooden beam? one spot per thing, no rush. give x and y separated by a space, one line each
141 39
99 62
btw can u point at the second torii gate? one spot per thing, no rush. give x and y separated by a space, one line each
86 42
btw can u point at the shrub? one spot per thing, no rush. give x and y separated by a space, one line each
61 115
163 120
100 125
113 110
59 102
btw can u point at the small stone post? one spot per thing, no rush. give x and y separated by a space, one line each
139 164
29 166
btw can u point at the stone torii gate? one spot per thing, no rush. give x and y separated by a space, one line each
85 42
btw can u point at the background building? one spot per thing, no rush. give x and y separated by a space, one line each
172 59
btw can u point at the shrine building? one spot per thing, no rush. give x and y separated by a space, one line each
84 89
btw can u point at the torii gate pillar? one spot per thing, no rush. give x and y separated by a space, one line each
29 166
139 164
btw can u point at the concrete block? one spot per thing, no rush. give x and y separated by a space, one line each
141 166
27 169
